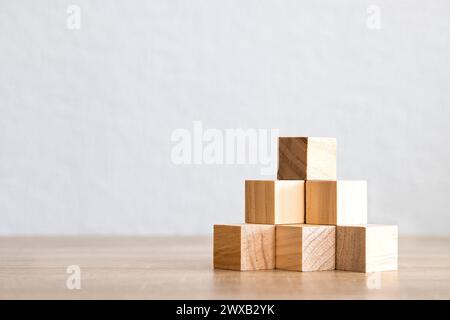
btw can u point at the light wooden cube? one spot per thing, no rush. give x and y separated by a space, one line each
244 247
305 247
274 202
306 158
368 248
336 202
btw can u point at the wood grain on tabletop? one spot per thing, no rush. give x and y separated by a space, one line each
181 268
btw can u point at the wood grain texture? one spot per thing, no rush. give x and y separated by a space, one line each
306 158
351 248
292 158
181 268
321 202
257 247
381 248
288 244
319 248
305 247
227 247
274 202
321 159
369 248
244 247
336 202
260 201
351 202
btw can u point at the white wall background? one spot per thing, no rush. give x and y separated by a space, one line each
86 115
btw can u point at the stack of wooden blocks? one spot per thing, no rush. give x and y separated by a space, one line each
306 220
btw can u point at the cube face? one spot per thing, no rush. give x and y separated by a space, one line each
244 247
289 202
321 202
351 248
306 158
288 247
259 201
305 247
381 248
258 247
319 248
321 160
292 158
274 202
336 202
351 202
227 247
369 248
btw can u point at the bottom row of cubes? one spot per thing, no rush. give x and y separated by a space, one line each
305 247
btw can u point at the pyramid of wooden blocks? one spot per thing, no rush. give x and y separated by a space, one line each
307 220
244 246
367 248
305 247
274 202
336 202
306 158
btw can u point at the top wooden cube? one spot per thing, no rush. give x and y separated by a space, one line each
306 158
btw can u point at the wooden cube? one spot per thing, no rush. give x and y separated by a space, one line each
368 248
306 158
305 247
336 202
244 247
274 202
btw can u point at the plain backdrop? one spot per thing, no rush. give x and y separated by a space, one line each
86 116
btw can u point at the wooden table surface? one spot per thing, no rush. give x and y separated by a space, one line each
181 268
